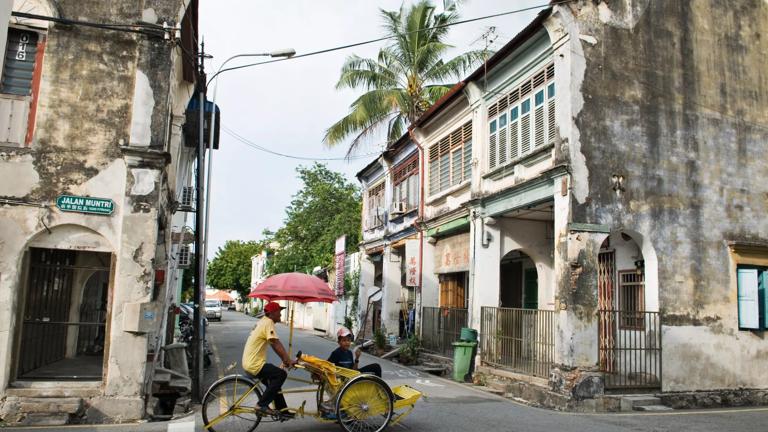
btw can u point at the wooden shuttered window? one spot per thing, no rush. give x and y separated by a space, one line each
522 120
450 160
752 299
375 210
405 185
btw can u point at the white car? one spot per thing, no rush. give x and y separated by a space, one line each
213 309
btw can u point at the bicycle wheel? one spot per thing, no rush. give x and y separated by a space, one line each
230 403
364 404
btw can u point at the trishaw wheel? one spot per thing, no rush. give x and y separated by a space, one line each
364 404
229 405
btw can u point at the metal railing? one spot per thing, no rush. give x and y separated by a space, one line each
521 340
440 327
630 349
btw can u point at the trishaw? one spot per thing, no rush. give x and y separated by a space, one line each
357 402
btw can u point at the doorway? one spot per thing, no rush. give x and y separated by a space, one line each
518 282
64 310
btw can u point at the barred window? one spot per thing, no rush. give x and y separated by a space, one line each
450 160
405 185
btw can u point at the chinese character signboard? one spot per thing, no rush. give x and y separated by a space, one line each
340 258
412 263
72 203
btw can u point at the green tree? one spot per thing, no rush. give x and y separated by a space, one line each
327 207
406 78
230 269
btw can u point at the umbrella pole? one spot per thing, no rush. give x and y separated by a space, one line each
290 334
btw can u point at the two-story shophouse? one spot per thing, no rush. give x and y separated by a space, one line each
93 165
591 205
390 187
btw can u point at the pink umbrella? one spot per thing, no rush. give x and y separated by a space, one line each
299 287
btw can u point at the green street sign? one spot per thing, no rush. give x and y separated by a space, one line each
79 204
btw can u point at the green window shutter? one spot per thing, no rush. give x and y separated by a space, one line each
531 296
749 307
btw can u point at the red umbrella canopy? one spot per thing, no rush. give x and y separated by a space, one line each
299 287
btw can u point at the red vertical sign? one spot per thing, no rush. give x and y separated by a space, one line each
340 258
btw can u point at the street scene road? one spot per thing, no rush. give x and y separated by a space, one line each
447 406
450 406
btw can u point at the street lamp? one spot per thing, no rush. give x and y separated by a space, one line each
202 253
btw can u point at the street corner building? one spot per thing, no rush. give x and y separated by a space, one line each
592 201
93 172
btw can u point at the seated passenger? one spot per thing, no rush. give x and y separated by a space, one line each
343 357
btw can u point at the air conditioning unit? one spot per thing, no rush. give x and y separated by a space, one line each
184 256
187 201
399 207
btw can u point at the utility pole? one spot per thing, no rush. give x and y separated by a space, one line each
199 329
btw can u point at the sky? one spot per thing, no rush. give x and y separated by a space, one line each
287 106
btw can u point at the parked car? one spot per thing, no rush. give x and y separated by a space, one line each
213 309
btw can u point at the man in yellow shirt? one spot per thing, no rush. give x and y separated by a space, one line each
255 359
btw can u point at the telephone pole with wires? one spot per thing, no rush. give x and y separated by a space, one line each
198 336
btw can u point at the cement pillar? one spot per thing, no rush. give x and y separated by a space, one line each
485 256
391 277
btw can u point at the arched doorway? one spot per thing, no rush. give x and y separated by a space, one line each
518 281
629 326
63 306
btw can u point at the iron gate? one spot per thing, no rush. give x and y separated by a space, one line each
632 359
440 327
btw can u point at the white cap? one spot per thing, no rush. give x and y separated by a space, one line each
343 332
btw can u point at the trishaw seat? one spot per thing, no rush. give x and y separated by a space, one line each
330 371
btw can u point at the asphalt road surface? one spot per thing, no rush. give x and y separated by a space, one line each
448 406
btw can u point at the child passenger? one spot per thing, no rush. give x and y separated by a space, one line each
343 357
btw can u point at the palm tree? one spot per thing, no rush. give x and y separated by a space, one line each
406 78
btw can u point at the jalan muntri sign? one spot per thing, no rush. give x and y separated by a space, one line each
80 204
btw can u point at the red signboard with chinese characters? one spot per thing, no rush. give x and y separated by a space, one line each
412 263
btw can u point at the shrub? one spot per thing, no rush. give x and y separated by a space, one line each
379 339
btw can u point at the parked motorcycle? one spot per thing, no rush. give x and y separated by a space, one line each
186 335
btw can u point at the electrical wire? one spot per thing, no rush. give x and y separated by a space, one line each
147 29
367 42
251 144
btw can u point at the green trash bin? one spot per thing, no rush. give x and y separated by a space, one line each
462 359
468 335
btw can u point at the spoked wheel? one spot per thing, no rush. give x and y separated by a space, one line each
364 404
230 404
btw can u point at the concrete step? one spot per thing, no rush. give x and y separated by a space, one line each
45 419
633 402
500 385
50 405
653 408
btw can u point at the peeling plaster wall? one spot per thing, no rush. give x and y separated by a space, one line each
99 92
673 96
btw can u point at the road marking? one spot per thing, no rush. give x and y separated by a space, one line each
187 426
427 383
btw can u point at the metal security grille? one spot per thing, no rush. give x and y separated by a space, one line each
522 340
636 351
440 327
44 337
19 66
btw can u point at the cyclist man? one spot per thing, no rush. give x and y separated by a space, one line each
255 360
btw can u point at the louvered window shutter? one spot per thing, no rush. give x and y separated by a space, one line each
525 127
551 112
456 167
749 308
503 141
492 146
762 294
467 160
538 127
514 142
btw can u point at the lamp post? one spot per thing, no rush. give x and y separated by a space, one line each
202 252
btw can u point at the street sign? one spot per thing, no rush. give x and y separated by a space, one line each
79 204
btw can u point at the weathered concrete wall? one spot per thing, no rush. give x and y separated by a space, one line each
673 96
104 109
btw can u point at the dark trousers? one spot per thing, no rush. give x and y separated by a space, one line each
273 377
372 368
